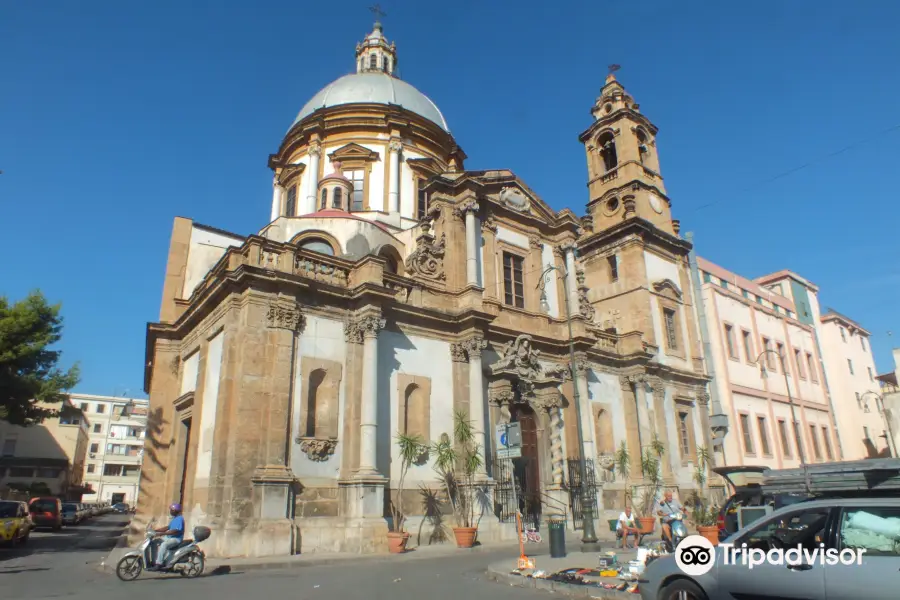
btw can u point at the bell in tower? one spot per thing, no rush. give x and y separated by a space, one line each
624 179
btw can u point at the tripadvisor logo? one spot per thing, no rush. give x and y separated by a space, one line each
790 557
695 555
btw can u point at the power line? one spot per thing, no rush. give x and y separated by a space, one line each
803 166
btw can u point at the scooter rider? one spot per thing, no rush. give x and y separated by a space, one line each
669 509
174 535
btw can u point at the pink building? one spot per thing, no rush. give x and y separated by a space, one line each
768 369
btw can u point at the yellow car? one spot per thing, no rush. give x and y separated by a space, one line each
15 522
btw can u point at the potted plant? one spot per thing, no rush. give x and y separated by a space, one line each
412 450
457 461
651 468
705 513
622 466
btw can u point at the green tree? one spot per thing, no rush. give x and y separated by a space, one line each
28 368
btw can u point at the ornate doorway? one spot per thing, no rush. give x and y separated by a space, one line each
527 468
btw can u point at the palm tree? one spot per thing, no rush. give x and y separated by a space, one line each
412 448
457 461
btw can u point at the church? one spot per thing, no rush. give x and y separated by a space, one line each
392 287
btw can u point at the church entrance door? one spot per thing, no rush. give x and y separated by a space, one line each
527 468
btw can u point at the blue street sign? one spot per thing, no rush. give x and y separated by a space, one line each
503 439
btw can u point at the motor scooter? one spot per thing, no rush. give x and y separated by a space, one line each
186 559
678 531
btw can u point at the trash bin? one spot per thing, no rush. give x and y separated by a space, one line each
556 524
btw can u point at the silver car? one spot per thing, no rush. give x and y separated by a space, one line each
833 526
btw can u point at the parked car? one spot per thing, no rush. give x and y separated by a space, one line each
46 511
834 524
15 523
70 514
120 508
748 493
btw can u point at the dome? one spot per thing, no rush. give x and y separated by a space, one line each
377 88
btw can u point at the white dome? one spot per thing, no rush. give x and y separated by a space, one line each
378 88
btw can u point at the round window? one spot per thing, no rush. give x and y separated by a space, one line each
612 205
608 108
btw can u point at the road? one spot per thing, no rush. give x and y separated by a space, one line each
65 564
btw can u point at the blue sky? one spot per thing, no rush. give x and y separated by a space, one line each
117 116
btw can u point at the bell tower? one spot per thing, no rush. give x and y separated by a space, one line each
624 180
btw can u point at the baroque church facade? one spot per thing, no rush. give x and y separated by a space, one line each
393 287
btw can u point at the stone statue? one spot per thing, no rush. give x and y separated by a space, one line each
521 357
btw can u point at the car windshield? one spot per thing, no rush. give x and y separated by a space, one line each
43 506
8 510
69 507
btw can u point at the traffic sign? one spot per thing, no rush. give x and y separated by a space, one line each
509 453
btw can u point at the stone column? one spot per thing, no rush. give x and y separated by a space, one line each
473 347
571 284
368 425
660 423
277 193
394 177
556 445
489 275
587 419
312 187
470 208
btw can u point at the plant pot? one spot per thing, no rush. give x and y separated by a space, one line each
710 532
397 541
612 524
646 524
465 536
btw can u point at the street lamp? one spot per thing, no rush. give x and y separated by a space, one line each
889 434
796 423
588 535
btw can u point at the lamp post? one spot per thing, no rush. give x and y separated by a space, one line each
796 424
588 535
879 404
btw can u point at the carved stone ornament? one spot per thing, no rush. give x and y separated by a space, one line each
535 242
175 365
702 398
520 358
474 346
317 449
563 372
519 377
489 224
515 199
370 325
460 210
427 260
315 150
663 285
457 353
434 213
268 260
585 308
395 146
546 397
284 316
501 392
353 333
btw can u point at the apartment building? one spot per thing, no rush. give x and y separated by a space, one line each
45 459
115 446
769 372
850 366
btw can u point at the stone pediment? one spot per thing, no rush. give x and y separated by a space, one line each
519 377
427 165
289 172
354 151
667 287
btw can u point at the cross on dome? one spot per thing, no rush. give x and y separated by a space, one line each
374 54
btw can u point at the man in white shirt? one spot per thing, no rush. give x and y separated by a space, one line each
626 526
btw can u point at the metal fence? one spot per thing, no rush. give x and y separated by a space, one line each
508 491
576 489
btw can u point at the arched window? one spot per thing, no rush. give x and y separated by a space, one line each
290 206
317 245
416 413
607 145
390 265
605 442
320 407
324 203
643 150
373 61
337 198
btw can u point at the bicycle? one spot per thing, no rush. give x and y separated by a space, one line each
531 535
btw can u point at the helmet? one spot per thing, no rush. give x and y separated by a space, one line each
175 507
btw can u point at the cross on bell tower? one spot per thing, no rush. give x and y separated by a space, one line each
374 54
624 177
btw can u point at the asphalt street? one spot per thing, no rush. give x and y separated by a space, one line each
66 565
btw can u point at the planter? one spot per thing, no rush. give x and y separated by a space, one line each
710 532
397 541
465 536
646 524
612 524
